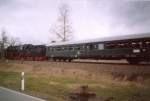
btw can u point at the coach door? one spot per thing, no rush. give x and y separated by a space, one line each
100 46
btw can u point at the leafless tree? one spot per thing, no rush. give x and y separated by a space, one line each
6 41
14 41
63 29
3 43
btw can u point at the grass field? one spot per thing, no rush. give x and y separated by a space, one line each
41 82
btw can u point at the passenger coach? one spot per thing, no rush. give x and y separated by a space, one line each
134 48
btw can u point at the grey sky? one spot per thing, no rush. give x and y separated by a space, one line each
31 20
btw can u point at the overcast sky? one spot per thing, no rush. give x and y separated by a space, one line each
31 20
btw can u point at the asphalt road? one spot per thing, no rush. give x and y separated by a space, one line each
10 95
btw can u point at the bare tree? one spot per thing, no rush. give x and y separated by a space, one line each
14 41
63 30
3 43
6 41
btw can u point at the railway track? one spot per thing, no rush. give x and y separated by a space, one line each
110 62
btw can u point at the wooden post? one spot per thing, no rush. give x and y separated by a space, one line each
22 81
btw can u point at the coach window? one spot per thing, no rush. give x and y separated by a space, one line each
140 44
65 48
78 48
82 47
90 47
62 48
53 49
70 48
108 46
126 45
58 48
120 45
75 48
135 45
95 46
147 44
112 46
49 49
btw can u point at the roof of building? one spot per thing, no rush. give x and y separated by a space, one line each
104 39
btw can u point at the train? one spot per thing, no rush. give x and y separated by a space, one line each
134 48
26 52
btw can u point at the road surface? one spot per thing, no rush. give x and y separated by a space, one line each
10 95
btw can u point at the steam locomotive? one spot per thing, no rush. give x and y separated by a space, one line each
134 48
26 52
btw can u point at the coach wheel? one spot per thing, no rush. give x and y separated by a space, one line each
69 60
64 60
54 59
133 61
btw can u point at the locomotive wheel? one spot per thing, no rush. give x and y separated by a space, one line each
64 60
54 59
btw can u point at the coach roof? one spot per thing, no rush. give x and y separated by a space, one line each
105 39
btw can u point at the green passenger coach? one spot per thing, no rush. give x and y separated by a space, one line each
134 48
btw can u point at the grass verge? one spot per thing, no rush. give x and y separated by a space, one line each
57 87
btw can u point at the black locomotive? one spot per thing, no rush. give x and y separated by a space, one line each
26 52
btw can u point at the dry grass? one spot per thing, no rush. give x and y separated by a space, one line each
54 80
